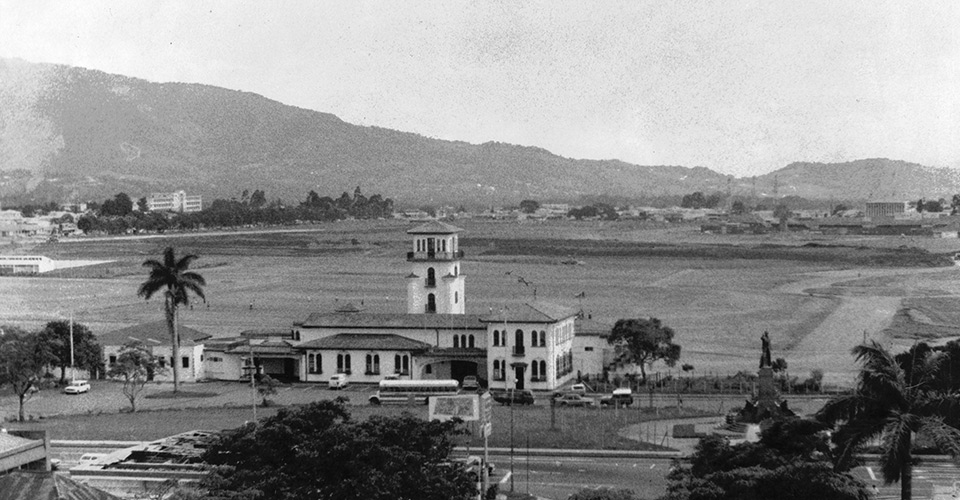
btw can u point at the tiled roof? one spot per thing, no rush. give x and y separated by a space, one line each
267 332
536 312
151 334
434 227
590 328
373 341
393 320
263 348
31 485
223 343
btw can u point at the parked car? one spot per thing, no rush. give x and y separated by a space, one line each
574 400
620 397
338 381
513 396
77 387
470 383
580 389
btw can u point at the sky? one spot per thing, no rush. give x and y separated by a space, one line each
741 87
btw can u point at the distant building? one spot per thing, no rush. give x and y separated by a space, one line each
157 338
25 264
174 202
23 450
884 208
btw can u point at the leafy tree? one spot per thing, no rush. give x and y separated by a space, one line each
119 206
782 212
603 493
266 386
791 462
529 206
919 205
955 204
738 208
694 200
258 199
172 276
142 205
839 209
136 365
23 360
644 341
318 452
893 405
933 206
779 365
87 352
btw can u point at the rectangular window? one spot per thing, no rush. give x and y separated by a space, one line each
113 359
185 360
588 349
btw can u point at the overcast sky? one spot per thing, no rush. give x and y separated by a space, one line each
741 87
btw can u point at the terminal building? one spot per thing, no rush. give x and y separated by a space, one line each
528 346
26 264
174 202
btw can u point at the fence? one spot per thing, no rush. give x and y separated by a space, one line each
741 383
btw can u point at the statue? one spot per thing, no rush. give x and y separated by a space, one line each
765 360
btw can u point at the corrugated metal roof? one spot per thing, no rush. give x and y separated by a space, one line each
373 341
393 320
434 227
29 485
535 312
151 334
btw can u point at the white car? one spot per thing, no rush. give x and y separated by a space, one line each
77 387
338 381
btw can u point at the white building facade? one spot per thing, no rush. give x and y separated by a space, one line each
177 201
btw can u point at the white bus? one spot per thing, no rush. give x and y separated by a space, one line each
401 391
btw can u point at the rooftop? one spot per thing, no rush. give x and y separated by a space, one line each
373 341
434 227
531 312
155 333
357 319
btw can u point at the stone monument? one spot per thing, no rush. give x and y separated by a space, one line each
767 403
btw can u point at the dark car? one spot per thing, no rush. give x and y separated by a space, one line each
620 397
574 400
512 396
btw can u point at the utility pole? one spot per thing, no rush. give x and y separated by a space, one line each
253 383
73 373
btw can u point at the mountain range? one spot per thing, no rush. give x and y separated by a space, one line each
74 134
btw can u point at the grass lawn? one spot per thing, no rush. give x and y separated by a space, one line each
576 428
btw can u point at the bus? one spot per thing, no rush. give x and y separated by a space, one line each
402 391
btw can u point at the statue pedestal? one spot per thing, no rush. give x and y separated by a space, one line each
768 397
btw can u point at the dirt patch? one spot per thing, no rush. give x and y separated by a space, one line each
911 324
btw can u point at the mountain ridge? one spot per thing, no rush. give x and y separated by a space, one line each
73 134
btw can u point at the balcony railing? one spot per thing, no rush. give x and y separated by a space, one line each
415 256
518 350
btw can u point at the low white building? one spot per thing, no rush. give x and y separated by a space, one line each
26 264
177 201
156 337
591 350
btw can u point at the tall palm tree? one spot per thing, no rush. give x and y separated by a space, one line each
893 405
176 281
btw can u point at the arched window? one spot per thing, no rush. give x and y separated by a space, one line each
471 340
534 371
343 363
431 303
543 370
456 297
533 338
496 369
456 341
519 338
496 338
431 277
376 364
312 362
369 364
406 364
396 363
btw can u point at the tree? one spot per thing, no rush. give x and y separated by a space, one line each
919 205
529 206
839 209
893 405
782 212
933 206
142 205
266 386
779 365
136 365
792 461
955 204
738 208
258 199
87 352
695 200
23 360
172 276
644 341
318 452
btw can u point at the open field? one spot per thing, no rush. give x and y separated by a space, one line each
719 292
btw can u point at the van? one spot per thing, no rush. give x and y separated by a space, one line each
338 381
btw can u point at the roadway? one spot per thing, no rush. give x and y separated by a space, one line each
558 476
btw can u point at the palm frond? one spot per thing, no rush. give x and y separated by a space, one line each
945 436
895 445
184 263
852 435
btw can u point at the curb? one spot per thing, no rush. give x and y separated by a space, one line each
61 443
549 452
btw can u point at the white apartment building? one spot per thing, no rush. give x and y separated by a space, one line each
174 202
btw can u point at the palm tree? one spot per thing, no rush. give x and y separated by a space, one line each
892 404
172 277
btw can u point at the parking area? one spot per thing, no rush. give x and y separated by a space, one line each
107 397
